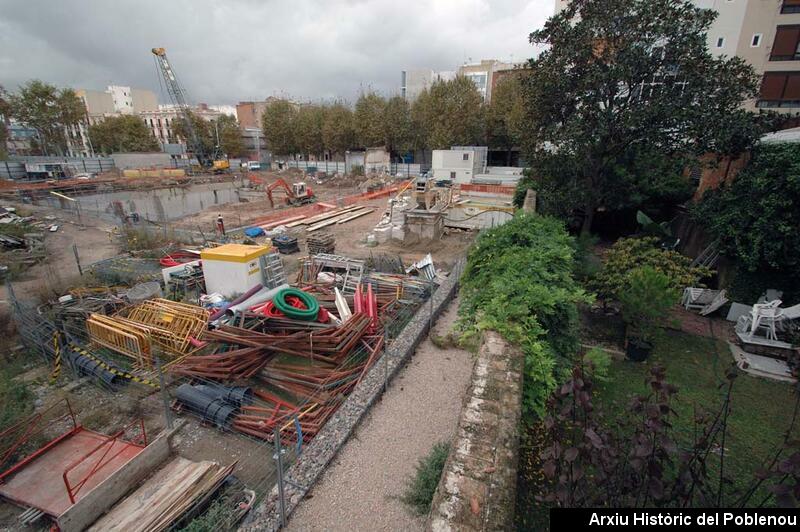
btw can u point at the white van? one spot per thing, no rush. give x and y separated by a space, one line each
253 165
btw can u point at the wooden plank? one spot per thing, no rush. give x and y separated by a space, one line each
329 221
324 216
164 497
355 215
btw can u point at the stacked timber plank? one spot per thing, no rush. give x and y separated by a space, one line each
165 497
323 242
336 216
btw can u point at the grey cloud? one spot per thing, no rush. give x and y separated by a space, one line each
244 49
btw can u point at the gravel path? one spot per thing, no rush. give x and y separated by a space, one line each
360 489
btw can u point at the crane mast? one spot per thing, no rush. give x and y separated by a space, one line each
178 98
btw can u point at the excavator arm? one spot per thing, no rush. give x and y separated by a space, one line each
280 183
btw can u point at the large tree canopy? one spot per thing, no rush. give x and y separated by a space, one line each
277 123
126 133
48 110
450 113
624 95
369 120
505 114
338 130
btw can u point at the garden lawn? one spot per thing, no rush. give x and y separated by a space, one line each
761 409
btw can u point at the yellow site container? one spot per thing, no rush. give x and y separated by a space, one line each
232 269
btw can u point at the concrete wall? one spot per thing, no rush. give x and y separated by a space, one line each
99 500
478 486
142 160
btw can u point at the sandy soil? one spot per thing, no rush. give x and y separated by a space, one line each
360 490
94 240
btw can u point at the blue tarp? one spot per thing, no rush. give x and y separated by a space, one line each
253 232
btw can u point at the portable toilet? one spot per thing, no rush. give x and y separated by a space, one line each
232 269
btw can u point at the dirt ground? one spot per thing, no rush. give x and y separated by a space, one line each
92 236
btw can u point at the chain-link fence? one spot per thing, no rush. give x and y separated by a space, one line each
252 391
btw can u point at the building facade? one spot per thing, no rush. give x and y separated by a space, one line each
766 34
116 100
484 74
161 121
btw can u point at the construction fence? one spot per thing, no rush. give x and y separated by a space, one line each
332 167
267 404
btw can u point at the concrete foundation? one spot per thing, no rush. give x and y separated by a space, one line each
426 225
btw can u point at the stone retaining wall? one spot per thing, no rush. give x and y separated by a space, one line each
316 456
478 485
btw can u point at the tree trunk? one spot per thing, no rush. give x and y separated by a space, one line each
586 227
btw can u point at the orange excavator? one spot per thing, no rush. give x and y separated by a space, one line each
297 194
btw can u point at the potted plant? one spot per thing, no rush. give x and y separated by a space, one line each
646 301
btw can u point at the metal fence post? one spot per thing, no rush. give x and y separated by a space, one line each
430 318
278 457
385 358
163 390
77 259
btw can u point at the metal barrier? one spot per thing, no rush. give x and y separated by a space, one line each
72 490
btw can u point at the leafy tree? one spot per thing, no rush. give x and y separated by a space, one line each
308 124
628 254
505 115
126 133
369 121
5 114
230 136
202 128
338 131
397 125
451 113
756 219
48 110
624 95
277 123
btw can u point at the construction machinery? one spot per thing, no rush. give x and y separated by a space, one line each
297 194
209 160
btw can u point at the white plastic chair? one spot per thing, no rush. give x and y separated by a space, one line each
765 315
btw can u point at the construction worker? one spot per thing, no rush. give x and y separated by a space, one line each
220 225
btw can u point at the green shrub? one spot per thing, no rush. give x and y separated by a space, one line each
628 254
646 302
422 486
518 281
599 362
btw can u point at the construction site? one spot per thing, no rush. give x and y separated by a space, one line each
187 337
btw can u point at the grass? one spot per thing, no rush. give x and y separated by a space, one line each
761 409
15 396
419 492
760 414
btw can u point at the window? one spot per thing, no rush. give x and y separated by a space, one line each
790 6
756 42
785 46
720 42
780 89
453 176
465 157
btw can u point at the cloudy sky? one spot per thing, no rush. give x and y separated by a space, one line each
231 50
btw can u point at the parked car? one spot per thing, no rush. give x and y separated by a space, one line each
253 165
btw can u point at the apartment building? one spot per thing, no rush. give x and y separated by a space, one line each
116 100
413 82
766 34
484 74
161 120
